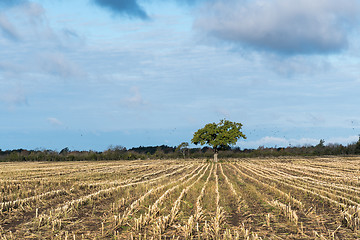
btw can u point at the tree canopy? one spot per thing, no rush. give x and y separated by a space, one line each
183 147
220 136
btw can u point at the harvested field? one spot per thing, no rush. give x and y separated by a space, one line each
285 198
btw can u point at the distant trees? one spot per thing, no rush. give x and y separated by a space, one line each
321 144
183 147
184 150
64 151
220 136
117 148
357 146
319 148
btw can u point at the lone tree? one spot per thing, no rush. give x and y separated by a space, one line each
220 136
183 147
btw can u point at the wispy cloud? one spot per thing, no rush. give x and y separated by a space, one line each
55 122
136 100
280 26
28 21
7 29
156 74
14 97
270 141
130 8
34 13
58 65
222 112
297 65
24 22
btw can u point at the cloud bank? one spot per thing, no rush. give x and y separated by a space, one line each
270 141
282 26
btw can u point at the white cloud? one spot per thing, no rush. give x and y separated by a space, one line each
297 65
58 65
35 12
28 22
222 112
136 100
7 29
55 122
282 26
24 21
342 140
14 97
269 141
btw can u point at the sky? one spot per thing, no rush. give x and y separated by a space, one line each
88 74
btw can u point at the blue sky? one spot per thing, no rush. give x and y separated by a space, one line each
87 74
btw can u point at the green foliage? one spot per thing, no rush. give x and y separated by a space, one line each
183 147
321 144
65 151
357 147
167 152
220 135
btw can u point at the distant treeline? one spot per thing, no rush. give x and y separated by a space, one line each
168 152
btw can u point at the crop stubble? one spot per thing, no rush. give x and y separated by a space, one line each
290 198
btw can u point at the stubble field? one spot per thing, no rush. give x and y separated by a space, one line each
177 199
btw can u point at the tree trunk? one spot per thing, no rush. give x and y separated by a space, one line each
215 155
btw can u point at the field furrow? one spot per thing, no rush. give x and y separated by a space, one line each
248 199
